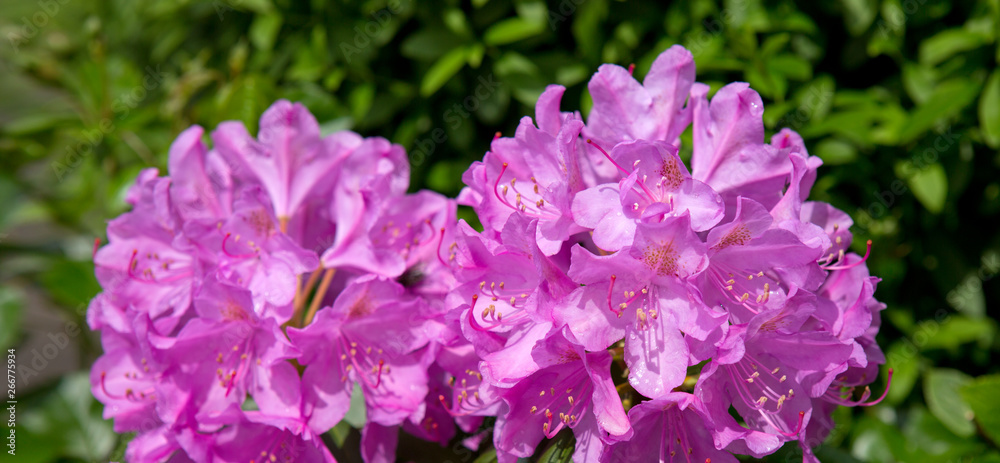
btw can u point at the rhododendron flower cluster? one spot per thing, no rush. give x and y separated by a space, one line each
613 291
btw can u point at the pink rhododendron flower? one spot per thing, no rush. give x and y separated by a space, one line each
614 294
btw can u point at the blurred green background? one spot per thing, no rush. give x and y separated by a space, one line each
901 100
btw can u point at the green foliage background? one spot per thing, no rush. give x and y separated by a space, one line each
900 98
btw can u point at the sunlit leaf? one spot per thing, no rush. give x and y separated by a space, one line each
264 30
928 183
833 151
983 397
947 100
904 359
858 15
10 317
941 390
443 70
947 43
511 30
70 421
989 111
560 449
356 414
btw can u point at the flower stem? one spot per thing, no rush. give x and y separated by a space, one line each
320 293
300 300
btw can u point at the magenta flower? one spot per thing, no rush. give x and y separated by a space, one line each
640 294
249 250
262 438
201 184
369 337
373 172
158 444
671 427
535 175
729 150
288 157
230 351
249 292
145 268
201 275
768 370
658 187
412 229
463 393
571 388
751 266
625 110
504 289
125 380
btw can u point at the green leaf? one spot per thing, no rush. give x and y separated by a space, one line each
443 70
339 433
947 43
774 44
941 390
931 440
70 282
511 30
984 401
929 184
919 81
10 317
948 99
769 84
877 441
264 30
70 422
33 447
361 100
356 415
989 111
428 44
790 66
118 454
968 297
244 99
475 56
587 26
441 177
828 454
571 75
833 151
904 359
257 6
34 123
455 20
466 213
489 456
957 330
336 125
535 11
308 65
858 15
560 450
